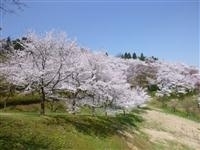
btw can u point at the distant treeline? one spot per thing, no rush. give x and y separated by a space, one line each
128 55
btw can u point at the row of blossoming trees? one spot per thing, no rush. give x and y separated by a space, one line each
54 65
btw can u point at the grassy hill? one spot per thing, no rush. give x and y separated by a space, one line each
30 131
151 128
65 131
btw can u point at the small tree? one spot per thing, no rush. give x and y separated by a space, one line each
126 55
129 55
134 56
142 58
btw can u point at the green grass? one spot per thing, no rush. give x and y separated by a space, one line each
64 131
19 99
191 116
185 107
22 128
58 108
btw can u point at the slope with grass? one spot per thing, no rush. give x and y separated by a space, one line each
64 131
30 131
150 128
171 131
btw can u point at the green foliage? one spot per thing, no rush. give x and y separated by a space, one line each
154 58
142 58
17 44
134 56
8 40
152 88
127 55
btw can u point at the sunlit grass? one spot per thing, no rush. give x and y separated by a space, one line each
186 107
63 131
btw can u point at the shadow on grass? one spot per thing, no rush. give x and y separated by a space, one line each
18 134
140 110
8 142
31 131
101 126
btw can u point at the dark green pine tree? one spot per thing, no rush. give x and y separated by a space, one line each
129 55
142 58
125 55
154 58
134 56
8 43
17 45
8 40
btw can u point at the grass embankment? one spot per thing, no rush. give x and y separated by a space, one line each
21 127
186 107
30 131
66 131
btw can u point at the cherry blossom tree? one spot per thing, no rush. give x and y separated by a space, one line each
107 84
57 67
44 63
175 78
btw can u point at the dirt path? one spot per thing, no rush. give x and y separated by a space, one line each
162 127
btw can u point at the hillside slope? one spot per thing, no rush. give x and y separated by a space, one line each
170 131
143 129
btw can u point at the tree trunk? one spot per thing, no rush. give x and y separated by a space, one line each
5 103
106 114
42 111
174 109
93 111
51 106
74 107
124 112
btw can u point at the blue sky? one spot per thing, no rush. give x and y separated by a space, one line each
168 30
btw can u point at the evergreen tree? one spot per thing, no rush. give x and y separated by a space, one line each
125 55
154 58
142 58
8 41
8 44
24 38
17 44
129 55
134 56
